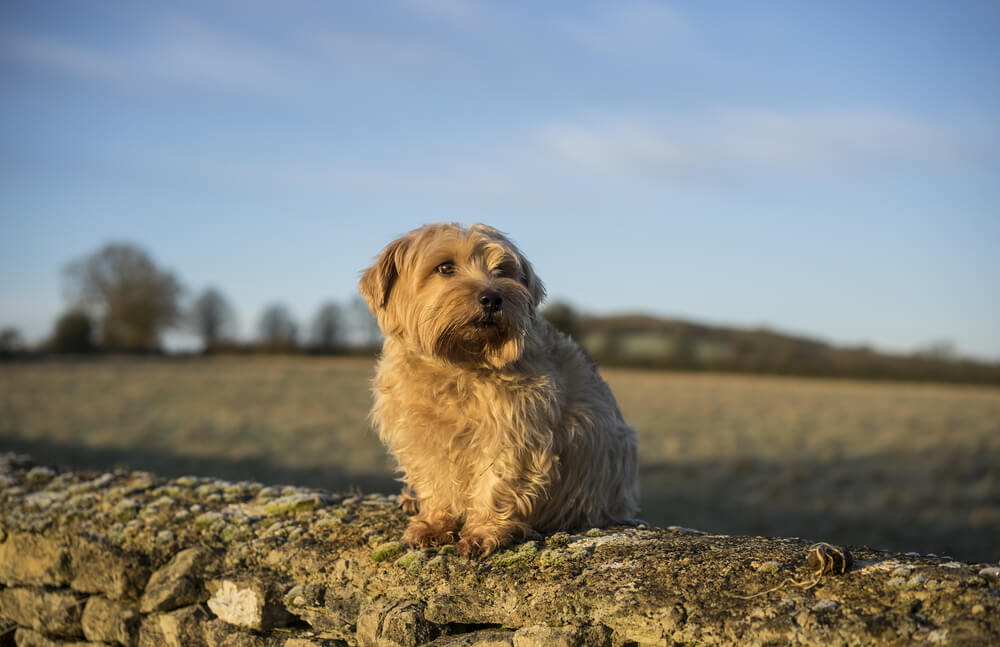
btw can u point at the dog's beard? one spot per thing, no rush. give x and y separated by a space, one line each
462 333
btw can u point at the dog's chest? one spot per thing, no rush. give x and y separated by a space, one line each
456 411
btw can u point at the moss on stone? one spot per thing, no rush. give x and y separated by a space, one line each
388 550
207 519
292 503
328 522
520 555
559 539
40 474
556 556
232 533
412 561
294 597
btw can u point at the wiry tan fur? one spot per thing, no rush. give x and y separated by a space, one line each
498 422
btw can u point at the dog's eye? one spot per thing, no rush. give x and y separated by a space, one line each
447 268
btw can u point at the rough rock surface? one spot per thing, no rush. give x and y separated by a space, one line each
127 558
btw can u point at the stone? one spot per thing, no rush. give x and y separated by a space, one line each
28 638
7 629
251 602
179 628
109 621
992 572
99 567
32 559
626 586
384 623
335 613
481 638
179 583
222 634
542 636
57 613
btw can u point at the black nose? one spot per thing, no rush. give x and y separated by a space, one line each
491 301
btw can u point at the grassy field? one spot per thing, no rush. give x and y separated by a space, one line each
900 466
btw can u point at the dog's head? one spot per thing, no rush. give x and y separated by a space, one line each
461 294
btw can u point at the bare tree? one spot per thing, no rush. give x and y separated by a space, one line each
277 328
74 333
328 328
122 288
365 323
11 341
212 318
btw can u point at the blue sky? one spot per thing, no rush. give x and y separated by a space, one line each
831 169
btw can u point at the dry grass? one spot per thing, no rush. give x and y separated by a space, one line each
903 466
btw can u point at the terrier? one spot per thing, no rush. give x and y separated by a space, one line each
499 423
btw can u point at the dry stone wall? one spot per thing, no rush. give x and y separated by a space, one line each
127 558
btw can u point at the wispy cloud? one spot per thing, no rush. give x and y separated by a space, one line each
749 142
176 54
73 59
371 51
458 12
617 28
191 52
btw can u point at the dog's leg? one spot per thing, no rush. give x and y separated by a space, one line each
500 518
431 528
485 533
505 501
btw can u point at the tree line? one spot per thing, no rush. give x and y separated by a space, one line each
120 300
640 341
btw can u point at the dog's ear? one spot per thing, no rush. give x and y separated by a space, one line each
377 280
531 281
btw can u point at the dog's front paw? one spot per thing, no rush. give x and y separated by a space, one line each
483 540
424 534
477 546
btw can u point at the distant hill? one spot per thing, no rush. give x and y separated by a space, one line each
652 342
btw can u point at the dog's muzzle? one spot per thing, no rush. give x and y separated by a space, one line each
491 302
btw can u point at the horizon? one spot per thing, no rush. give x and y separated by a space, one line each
827 172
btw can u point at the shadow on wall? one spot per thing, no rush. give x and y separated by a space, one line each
83 457
941 502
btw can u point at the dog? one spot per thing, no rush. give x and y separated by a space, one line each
499 423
